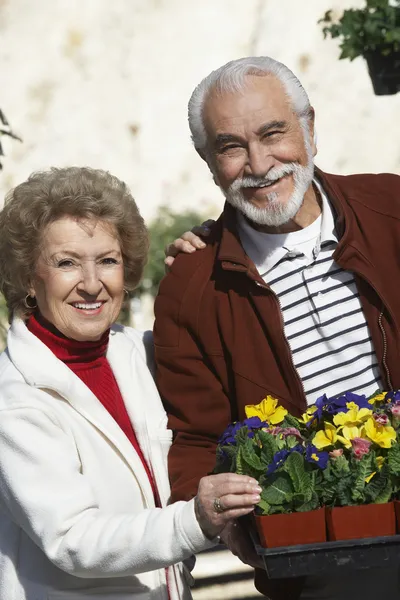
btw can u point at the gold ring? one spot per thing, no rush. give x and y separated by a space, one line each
218 505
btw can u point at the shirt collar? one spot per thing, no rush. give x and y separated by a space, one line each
266 251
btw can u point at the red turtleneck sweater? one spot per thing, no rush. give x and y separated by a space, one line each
88 361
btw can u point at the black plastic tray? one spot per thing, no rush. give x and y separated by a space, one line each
329 557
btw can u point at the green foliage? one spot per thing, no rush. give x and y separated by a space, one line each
291 488
348 481
374 27
163 230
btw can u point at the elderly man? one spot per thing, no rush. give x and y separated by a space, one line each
293 295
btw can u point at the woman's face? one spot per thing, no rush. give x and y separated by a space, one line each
79 279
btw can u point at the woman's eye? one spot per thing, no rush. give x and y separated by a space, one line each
65 263
109 261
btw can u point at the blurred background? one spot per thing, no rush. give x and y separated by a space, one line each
106 84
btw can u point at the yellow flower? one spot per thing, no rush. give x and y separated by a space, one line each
382 435
379 461
308 415
348 433
327 437
368 479
268 410
378 397
354 416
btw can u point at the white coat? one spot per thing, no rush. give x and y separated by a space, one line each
77 513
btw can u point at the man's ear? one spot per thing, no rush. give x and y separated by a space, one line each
313 133
203 154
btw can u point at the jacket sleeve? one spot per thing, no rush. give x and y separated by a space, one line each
44 491
193 393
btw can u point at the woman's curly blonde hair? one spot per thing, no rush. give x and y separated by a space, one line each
78 192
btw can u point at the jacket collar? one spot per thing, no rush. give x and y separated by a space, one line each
41 369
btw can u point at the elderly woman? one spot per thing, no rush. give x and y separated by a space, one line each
83 434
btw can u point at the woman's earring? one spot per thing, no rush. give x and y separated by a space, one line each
33 304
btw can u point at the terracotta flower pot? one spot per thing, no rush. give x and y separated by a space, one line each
397 513
291 529
364 521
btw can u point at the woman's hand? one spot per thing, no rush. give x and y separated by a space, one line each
221 498
189 242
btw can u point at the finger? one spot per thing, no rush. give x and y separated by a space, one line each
235 513
232 478
178 246
169 261
233 501
194 240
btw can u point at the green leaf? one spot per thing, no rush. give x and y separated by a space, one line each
363 468
279 490
250 458
264 506
268 447
239 462
312 504
394 460
294 466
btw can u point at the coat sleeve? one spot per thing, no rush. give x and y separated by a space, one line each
44 491
191 388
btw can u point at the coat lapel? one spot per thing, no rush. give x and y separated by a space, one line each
144 407
41 369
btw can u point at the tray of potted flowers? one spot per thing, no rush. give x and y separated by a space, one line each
330 481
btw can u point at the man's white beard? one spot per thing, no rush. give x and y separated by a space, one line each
277 213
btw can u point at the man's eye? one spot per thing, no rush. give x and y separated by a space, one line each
272 133
230 147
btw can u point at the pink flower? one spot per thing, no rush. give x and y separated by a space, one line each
284 432
396 410
336 453
360 447
382 419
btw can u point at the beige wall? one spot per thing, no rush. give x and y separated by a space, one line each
106 83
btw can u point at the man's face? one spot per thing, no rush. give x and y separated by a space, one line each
258 150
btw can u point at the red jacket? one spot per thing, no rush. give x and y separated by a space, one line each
219 337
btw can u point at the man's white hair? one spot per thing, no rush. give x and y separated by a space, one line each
232 78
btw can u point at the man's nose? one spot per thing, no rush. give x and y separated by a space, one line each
259 161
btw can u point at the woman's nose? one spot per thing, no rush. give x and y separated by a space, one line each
91 283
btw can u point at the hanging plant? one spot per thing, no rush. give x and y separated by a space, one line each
374 33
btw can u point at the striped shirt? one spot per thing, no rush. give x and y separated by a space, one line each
323 319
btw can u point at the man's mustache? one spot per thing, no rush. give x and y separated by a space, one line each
273 175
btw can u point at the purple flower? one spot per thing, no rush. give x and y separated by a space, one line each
316 457
280 457
254 423
340 404
393 397
228 437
